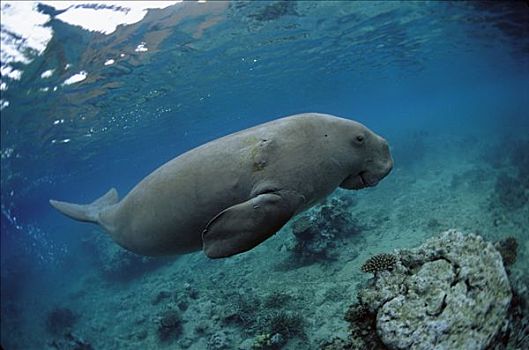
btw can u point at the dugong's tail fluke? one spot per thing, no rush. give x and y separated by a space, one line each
87 212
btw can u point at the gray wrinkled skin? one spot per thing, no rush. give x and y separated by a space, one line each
232 193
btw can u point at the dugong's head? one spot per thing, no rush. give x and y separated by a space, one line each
370 158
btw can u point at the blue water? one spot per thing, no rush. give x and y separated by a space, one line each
449 71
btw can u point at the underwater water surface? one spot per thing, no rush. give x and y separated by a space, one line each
445 83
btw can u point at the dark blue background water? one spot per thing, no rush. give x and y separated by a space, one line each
443 68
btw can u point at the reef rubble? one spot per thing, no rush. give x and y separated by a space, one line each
452 292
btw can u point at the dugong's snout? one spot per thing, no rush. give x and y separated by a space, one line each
376 164
379 165
385 160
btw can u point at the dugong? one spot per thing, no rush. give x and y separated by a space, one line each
230 194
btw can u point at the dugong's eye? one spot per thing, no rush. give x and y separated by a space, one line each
359 139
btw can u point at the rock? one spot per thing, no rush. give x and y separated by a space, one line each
246 344
191 291
185 342
160 296
508 248
277 340
303 228
69 341
219 341
335 344
140 335
320 234
452 292
169 325
266 341
60 320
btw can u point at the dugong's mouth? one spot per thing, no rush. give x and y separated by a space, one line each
359 181
367 181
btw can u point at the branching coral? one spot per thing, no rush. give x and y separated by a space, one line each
379 262
268 319
288 324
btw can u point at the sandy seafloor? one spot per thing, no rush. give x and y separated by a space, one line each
433 186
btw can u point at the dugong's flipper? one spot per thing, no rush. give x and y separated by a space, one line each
243 226
87 212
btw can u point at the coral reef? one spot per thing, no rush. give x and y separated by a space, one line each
318 233
510 192
242 310
311 244
451 292
60 320
169 325
508 248
276 300
287 324
201 329
379 262
362 325
219 341
191 291
336 344
272 320
262 341
515 335
70 341
267 341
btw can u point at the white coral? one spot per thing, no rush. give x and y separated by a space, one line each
455 296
